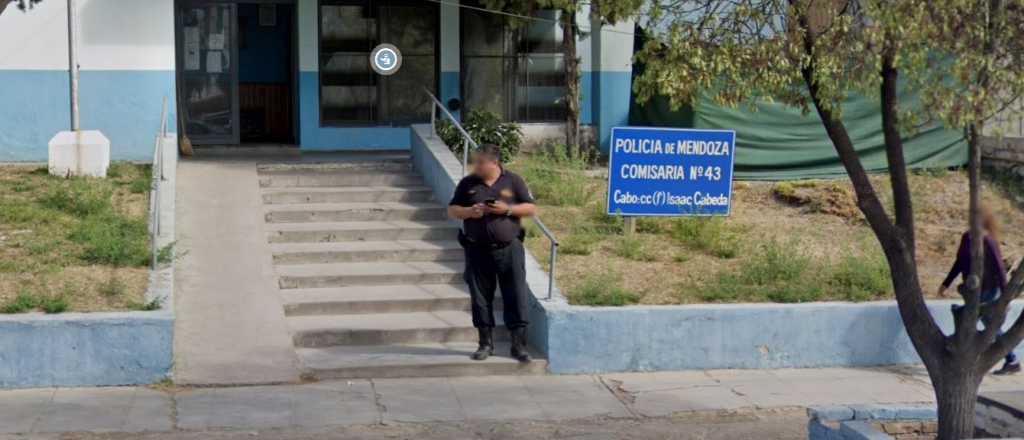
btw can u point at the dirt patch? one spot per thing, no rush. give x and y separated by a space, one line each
829 198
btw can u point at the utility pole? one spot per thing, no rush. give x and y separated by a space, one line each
73 63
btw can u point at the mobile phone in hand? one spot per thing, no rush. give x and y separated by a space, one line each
491 202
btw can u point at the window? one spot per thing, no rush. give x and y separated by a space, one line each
351 93
516 72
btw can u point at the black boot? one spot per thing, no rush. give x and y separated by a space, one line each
519 351
486 347
1008 369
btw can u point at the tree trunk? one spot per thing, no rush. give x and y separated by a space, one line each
572 83
956 394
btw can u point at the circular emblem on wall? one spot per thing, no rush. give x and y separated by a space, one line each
386 59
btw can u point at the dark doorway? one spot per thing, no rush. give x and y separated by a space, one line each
265 73
237 71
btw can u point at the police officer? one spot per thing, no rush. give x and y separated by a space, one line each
491 202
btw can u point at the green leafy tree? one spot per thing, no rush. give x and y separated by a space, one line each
609 11
965 58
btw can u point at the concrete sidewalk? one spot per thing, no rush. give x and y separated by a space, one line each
631 396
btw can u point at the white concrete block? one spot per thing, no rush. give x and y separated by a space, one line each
79 153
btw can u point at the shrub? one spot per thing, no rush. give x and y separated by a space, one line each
149 306
139 186
485 128
708 234
78 198
774 262
113 239
779 273
603 289
24 302
632 248
54 304
556 177
934 172
113 287
27 301
166 254
652 225
861 278
579 244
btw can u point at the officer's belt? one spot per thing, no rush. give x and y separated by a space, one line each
467 242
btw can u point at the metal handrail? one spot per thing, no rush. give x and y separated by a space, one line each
155 184
467 141
554 253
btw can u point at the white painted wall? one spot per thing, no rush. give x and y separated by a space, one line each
36 39
583 39
450 37
126 34
114 35
308 43
614 47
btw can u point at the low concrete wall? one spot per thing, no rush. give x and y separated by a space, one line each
98 349
652 338
871 422
85 349
578 339
1005 153
537 136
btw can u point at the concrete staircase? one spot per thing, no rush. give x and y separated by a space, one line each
371 273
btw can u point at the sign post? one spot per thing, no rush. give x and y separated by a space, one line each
670 172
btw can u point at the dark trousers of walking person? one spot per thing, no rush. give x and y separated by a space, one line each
987 302
490 267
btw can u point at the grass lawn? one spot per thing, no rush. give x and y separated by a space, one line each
785 242
78 244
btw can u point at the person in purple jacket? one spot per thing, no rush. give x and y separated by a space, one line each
993 277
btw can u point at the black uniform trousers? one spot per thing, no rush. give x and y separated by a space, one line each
487 268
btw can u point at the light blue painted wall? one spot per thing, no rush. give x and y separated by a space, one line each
747 336
35 105
611 109
588 98
124 105
313 137
85 350
451 88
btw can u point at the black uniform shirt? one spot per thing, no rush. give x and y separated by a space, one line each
492 229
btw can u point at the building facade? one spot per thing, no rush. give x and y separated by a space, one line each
293 72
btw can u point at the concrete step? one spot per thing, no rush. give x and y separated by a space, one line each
354 212
308 276
445 326
361 231
390 163
366 251
339 178
423 360
347 194
354 300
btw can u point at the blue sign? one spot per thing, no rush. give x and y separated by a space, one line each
670 172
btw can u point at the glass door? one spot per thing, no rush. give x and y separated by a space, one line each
351 93
208 72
